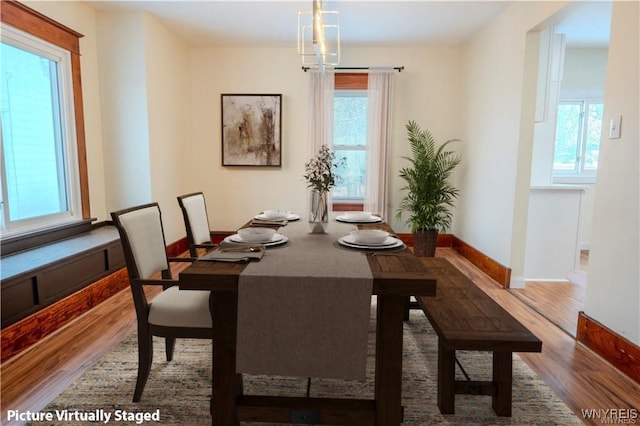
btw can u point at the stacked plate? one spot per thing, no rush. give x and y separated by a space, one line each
277 215
370 239
358 217
265 236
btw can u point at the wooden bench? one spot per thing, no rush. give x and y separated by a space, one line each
466 318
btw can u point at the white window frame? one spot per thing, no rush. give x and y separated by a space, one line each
62 57
580 175
350 93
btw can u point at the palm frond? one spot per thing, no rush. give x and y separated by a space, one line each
429 193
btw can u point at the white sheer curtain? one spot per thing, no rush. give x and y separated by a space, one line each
321 110
378 139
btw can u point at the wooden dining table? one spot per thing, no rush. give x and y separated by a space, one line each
396 276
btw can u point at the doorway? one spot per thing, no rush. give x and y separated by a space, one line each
571 70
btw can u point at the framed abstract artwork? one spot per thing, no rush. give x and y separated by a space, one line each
251 130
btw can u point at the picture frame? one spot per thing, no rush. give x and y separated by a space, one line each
251 129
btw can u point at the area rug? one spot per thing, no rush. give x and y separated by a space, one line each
178 392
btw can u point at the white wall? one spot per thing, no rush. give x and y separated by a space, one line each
429 91
613 290
585 69
583 76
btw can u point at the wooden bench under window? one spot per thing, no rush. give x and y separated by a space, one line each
466 318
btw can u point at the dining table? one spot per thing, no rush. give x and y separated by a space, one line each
393 276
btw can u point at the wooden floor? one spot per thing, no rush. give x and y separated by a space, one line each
558 301
583 380
538 294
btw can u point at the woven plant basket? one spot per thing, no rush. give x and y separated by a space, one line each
424 243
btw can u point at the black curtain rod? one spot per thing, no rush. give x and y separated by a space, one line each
399 69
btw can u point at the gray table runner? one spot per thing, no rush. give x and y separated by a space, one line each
303 310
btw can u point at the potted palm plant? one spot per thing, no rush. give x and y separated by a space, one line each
429 195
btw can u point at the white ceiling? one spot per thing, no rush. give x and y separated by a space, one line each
587 24
373 22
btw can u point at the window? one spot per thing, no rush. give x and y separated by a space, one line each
43 180
350 142
577 147
350 138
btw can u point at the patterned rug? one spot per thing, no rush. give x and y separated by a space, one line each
180 390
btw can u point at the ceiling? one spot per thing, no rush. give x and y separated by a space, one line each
375 22
587 24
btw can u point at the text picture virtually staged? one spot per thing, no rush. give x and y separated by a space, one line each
320 212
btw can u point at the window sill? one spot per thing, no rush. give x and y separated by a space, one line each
577 180
15 244
347 207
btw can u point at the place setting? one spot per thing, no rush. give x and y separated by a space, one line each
267 237
375 240
357 217
274 218
248 244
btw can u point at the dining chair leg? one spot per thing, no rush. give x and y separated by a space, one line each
145 356
170 343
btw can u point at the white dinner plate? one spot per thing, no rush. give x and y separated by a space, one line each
350 239
395 244
290 218
276 240
371 219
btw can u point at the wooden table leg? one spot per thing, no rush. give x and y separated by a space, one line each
407 308
388 387
226 386
446 379
502 377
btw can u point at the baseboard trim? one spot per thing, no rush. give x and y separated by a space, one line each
177 248
618 351
24 333
444 240
498 272
30 330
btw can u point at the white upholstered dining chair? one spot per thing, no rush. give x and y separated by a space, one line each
196 221
172 314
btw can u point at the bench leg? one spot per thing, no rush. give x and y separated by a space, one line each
502 377
446 379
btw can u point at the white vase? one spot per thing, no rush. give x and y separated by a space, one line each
319 212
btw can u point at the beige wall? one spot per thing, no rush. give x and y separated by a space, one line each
168 91
428 91
145 87
136 86
473 93
493 185
82 18
613 289
123 90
